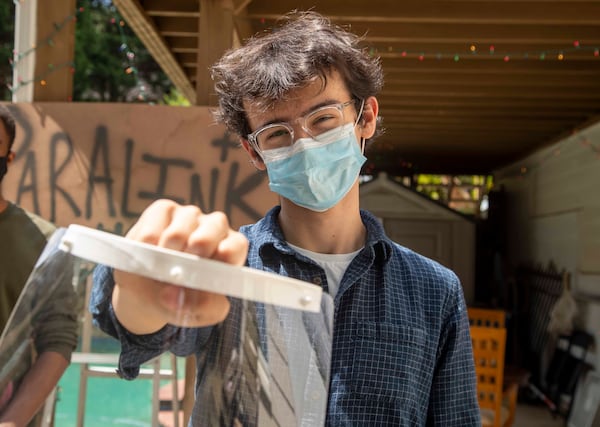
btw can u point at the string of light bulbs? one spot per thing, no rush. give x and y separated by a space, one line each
558 53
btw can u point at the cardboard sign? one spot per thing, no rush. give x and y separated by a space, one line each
100 165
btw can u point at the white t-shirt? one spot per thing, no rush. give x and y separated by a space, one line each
335 265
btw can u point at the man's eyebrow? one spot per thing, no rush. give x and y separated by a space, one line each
320 104
323 103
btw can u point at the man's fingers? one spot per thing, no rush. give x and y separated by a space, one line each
184 221
153 221
186 228
205 239
233 249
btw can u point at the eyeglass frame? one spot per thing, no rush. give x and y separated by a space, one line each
251 137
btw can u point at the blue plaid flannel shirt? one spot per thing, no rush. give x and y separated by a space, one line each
401 354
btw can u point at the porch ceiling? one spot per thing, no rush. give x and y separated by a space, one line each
471 85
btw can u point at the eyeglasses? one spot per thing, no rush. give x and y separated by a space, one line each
316 123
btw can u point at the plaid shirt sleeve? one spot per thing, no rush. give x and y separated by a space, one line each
137 349
452 398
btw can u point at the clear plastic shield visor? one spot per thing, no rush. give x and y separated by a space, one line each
268 364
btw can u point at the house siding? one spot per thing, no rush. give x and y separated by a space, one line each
554 215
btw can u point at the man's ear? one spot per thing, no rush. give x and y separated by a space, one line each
10 156
368 121
254 157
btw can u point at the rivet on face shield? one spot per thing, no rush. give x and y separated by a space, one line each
66 246
176 272
305 300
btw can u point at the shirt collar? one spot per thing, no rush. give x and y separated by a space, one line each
268 235
377 241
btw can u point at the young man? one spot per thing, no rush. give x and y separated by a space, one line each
302 101
23 237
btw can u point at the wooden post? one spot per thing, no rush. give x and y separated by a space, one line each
215 37
55 51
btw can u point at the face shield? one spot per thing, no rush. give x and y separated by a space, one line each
268 364
52 290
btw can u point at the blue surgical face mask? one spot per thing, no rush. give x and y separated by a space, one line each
316 174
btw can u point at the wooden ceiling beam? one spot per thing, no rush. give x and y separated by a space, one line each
182 42
552 42
177 49
556 56
507 103
495 84
477 33
449 123
495 113
514 73
449 12
191 64
441 90
455 139
186 58
399 77
403 132
180 24
178 33
532 50
465 92
419 141
518 66
172 7
173 14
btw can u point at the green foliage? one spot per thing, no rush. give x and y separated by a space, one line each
175 98
111 64
459 192
7 30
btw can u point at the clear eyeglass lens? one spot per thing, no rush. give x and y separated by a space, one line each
315 124
275 136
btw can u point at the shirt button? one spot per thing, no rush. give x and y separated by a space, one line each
317 280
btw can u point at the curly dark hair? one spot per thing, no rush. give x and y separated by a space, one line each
9 124
305 46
